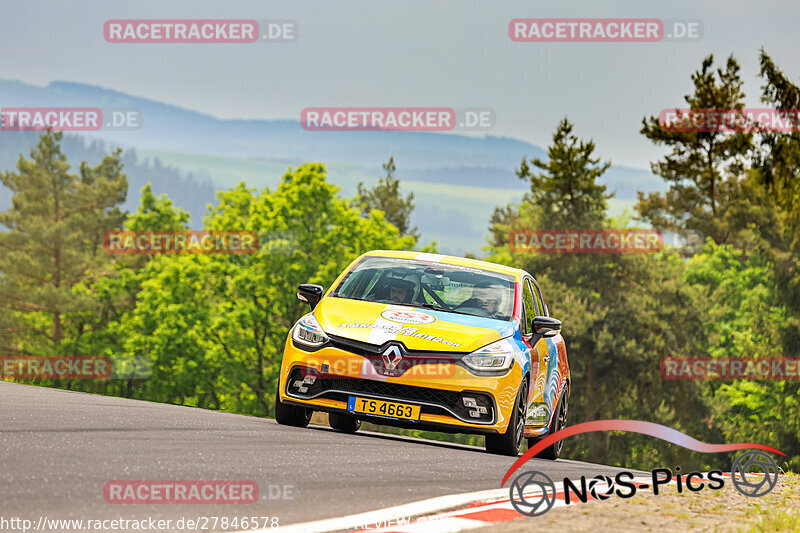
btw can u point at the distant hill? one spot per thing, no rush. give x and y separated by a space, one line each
457 179
185 189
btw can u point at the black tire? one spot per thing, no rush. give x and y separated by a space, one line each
510 442
344 423
558 423
290 415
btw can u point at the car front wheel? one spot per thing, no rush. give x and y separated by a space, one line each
290 415
344 423
510 442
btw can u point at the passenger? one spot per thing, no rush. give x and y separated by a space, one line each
485 296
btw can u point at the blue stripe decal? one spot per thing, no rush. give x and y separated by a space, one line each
504 327
552 374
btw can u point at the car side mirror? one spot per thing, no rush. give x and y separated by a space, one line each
310 294
546 326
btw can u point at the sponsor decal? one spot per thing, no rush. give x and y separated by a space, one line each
408 317
730 368
447 265
410 332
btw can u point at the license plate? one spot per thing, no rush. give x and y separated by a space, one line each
383 408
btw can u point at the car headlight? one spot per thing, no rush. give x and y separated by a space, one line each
496 356
307 331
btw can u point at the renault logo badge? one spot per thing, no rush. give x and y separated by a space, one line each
392 357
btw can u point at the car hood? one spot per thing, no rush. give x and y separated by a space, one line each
417 328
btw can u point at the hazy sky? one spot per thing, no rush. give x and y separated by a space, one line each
406 53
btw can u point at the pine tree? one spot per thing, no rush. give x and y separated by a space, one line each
702 167
566 193
780 164
617 309
53 246
386 197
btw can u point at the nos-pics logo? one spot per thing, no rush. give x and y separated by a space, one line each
533 493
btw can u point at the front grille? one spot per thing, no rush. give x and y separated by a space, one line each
411 358
393 390
434 401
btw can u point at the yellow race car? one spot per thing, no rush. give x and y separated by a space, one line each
427 341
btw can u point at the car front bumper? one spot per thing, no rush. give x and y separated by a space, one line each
438 388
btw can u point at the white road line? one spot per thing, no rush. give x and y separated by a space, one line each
446 513
370 518
400 518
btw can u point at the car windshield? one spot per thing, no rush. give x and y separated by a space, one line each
417 283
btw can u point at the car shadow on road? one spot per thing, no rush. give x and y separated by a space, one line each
404 438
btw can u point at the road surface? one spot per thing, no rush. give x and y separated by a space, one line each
59 448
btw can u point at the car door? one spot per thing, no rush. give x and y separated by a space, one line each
539 347
554 371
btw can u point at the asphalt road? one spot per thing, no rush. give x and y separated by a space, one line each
59 448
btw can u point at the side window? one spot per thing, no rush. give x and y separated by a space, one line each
544 311
528 307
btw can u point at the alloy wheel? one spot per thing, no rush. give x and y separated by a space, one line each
521 415
561 420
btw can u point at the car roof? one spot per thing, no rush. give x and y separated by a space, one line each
450 260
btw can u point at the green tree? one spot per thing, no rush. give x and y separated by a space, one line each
119 292
566 193
702 165
743 317
781 164
385 196
215 326
53 246
779 167
618 310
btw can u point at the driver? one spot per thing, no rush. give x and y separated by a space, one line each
400 290
486 296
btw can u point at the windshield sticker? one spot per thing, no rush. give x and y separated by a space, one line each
407 317
409 332
446 265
